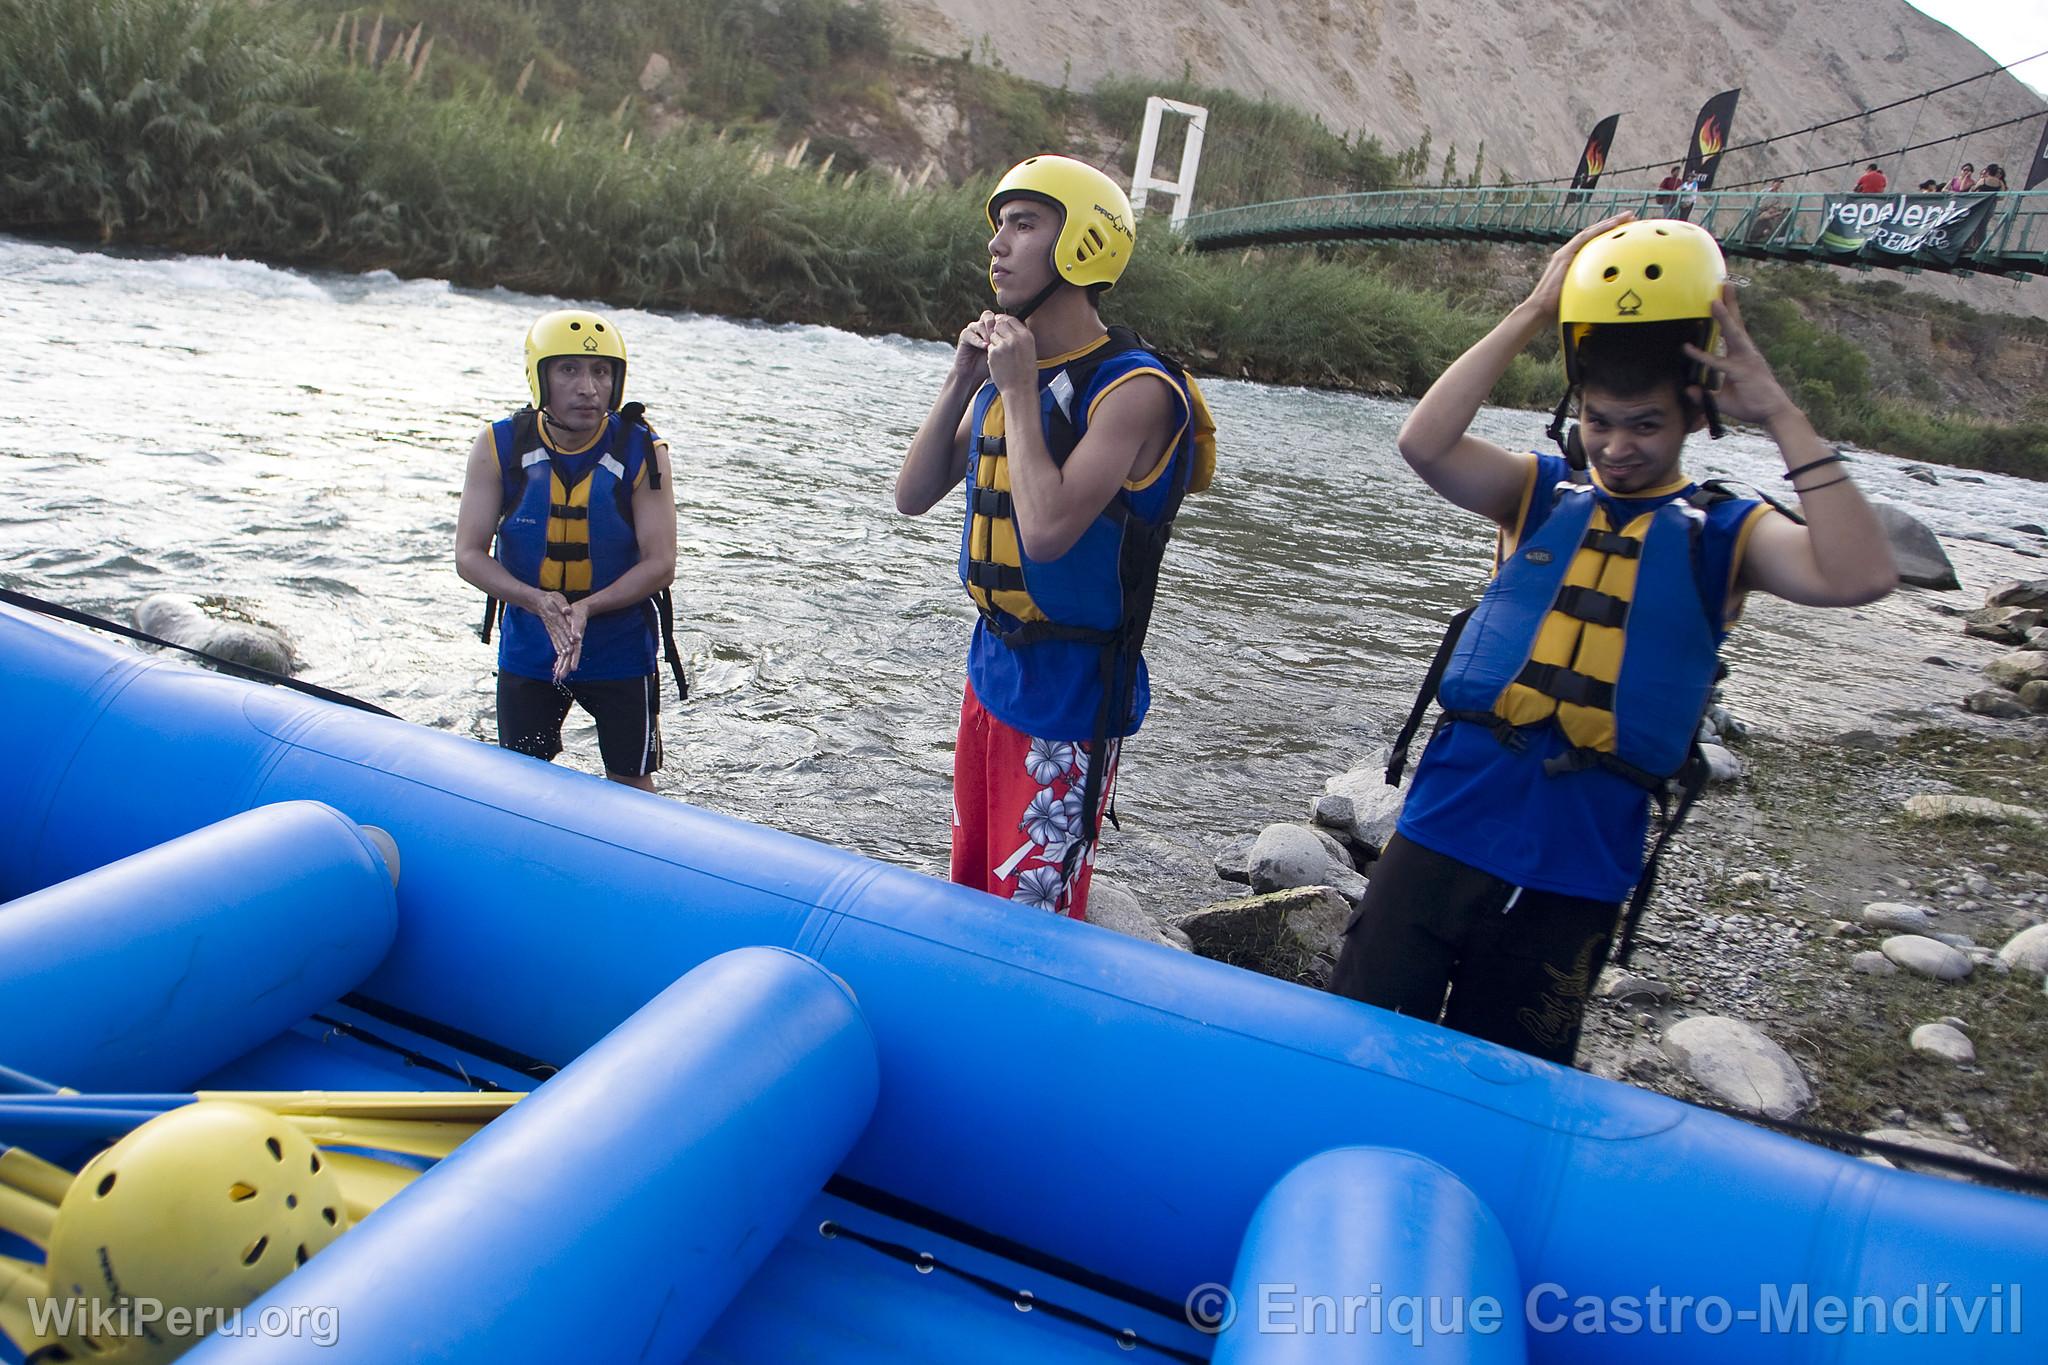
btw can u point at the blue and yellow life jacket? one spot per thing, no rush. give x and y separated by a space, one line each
1100 591
1606 621
565 523
563 532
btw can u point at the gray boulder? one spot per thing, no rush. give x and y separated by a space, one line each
1998 704
1288 855
1906 1137
2031 592
1924 956
1945 1041
2027 951
1290 934
1873 963
2017 669
1895 915
2034 695
1334 812
181 621
1940 805
2006 625
1117 910
1741 1066
1234 860
1921 561
1722 766
1376 807
1334 846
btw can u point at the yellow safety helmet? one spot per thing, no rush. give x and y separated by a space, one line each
201 1209
573 332
1097 234
1655 270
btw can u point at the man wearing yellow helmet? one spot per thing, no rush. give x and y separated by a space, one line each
1572 692
575 489
1075 443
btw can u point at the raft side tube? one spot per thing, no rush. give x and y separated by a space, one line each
147 973
616 1211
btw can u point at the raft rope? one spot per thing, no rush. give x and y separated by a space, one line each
248 671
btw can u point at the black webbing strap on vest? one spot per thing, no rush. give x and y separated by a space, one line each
239 670
1671 813
1397 757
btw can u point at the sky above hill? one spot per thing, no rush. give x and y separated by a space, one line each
2007 29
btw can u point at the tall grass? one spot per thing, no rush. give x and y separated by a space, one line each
207 124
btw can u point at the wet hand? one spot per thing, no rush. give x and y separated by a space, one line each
1012 354
1749 392
568 655
553 610
1543 299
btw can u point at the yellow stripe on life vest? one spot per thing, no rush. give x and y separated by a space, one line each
573 576
994 539
1600 649
1557 639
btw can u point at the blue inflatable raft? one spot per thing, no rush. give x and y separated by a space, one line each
790 1104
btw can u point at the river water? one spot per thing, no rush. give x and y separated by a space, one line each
290 446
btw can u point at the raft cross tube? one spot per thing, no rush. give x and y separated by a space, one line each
150 972
615 1212
1368 1255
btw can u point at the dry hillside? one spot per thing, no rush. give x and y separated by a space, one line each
1529 80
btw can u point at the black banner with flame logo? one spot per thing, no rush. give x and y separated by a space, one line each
1593 161
1710 137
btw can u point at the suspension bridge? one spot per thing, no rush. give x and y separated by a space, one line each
2011 240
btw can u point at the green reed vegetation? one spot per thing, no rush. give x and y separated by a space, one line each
506 142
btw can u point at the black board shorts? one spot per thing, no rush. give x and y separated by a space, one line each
1438 939
627 712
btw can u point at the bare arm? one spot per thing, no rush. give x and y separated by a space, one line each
1842 556
1436 441
1127 433
937 459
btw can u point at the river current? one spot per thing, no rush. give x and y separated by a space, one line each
289 447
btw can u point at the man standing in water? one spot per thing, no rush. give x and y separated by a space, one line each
1076 443
1573 693
576 491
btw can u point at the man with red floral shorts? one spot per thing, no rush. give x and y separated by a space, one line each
1075 443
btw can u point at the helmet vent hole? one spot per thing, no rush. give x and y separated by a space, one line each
291 1201
598 325
328 1214
301 1256
241 1193
276 1148
315 1160
575 326
1663 232
106 1184
1653 272
255 1252
1611 273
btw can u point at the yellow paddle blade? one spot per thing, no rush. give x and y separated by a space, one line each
437 1106
29 1173
20 1281
410 1136
26 1216
367 1183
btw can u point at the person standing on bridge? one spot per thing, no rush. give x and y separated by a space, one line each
1872 181
1572 694
1076 443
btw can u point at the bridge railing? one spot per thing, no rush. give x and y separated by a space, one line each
1753 223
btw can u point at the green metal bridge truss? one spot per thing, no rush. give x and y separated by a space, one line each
1759 225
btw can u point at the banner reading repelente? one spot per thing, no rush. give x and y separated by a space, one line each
1593 161
1710 137
1924 227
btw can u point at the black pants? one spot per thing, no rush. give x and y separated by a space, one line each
1518 964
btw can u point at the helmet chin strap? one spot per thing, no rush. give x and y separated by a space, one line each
1033 304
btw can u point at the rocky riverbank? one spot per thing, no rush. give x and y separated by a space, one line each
1849 931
